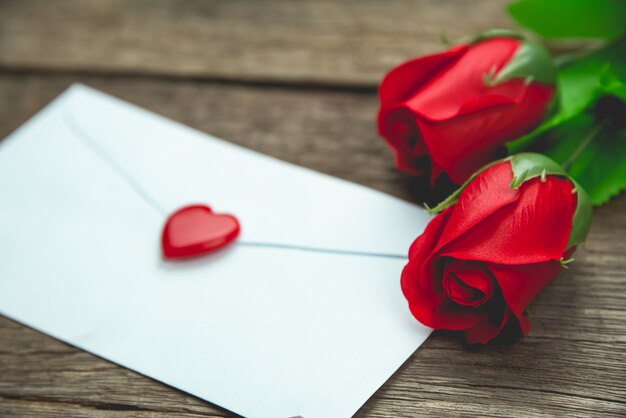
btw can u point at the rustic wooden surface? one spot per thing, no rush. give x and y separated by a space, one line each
296 80
341 43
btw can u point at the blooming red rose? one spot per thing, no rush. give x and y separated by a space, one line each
453 111
501 239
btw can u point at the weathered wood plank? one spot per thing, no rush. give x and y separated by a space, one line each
572 364
351 42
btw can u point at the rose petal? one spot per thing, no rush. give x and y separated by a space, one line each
493 100
397 86
533 230
435 170
439 312
428 303
521 284
468 283
448 92
419 252
425 243
404 80
485 195
404 138
485 331
464 144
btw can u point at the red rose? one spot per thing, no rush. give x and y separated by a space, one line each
452 112
499 242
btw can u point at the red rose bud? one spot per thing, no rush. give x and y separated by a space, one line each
452 112
499 241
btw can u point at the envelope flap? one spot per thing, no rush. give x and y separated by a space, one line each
276 202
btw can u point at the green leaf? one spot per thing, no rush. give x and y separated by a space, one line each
589 145
613 85
593 154
605 19
580 84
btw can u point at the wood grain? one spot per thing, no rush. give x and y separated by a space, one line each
296 80
311 42
573 364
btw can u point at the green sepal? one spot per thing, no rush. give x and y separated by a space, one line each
565 263
527 166
531 62
582 217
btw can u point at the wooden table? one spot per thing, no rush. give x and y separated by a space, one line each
297 80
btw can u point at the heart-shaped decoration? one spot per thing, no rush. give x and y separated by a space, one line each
195 230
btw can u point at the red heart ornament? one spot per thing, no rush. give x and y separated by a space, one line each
195 230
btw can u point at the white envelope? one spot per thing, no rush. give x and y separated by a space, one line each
302 316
